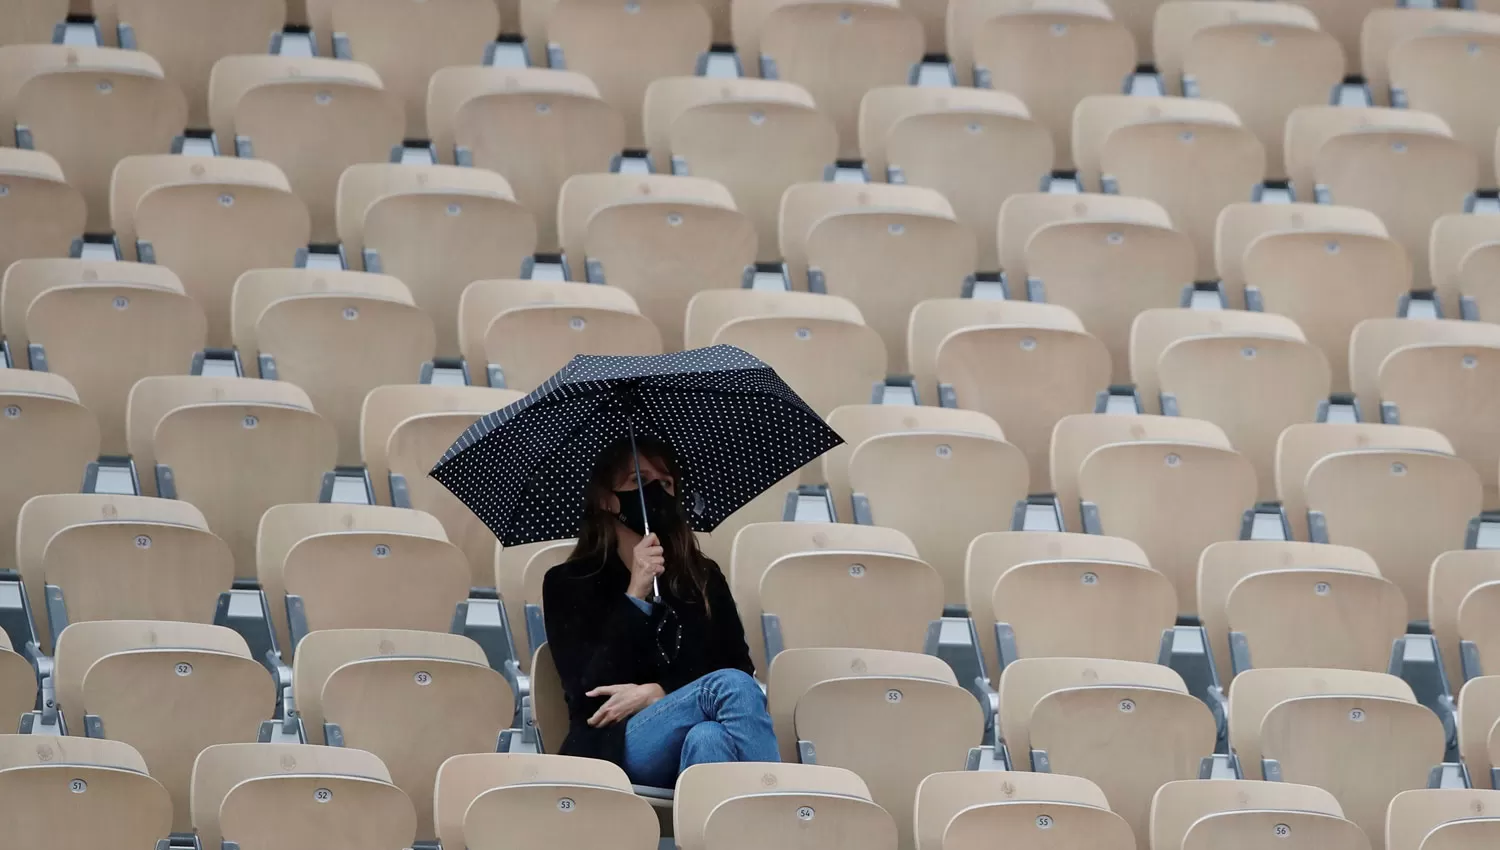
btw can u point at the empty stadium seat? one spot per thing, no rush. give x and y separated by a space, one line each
1474 286
1476 616
1179 806
363 812
1449 387
485 302
528 344
1415 814
1308 128
18 691
167 689
703 791
1385 29
1478 709
1127 726
208 219
1023 215
337 335
519 573
33 22
1241 224
418 675
1303 830
1459 260
804 205
406 43
982 478
828 362
979 826
46 439
714 309
861 599
977 148
1051 56
535 127
756 137
1463 834
934 320
1098 116
43 213
1154 330
585 194
938 721
1327 283
1075 607
75 792
1404 507
313 119
1317 617
435 227
942 797
1454 574
221 768
1442 72
1107 272
1301 446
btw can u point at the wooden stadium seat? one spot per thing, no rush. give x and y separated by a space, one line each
859 422
1255 692
932 321
1172 498
1453 575
1478 709
1241 224
530 343
363 813
625 49
258 289
518 575
1327 283
18 685
939 723
1460 257
222 767
1052 56
437 228
389 406
1442 72
828 362
406 43
1363 749
564 816
1385 29
134 176
759 545
284 527
1075 437
1317 617
1222 565
134 570
1308 128
1302 446
1076 607
1422 177
859 599
803 205
105 337
450 87
1449 387
1178 806
46 440
1097 116
1466 834
232 76
347 666
33 750
883 108
43 213
980 480
979 826
1476 616
703 788
941 797
20 62
1154 330
1311 830
1175 25
464 777
204 689
993 554
1474 288
889 260
669 97
409 451
759 820
549 706
952 144
1194 169
113 806
769 506
1026 378
1109 271
711 310
33 22
1070 706
339 346
1251 385
663 252
1414 815
1404 507
1343 19
189 37
585 194
484 300
1023 215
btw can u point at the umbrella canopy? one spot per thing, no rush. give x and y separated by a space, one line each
737 429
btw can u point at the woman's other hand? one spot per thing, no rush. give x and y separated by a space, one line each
647 562
624 700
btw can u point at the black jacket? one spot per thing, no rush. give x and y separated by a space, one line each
600 637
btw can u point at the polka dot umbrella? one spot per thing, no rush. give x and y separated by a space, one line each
737 429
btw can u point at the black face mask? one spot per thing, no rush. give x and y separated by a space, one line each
661 509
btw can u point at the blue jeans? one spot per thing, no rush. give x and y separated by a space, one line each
719 717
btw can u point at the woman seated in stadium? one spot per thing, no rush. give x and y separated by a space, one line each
654 683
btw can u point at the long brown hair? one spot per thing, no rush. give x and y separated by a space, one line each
686 569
